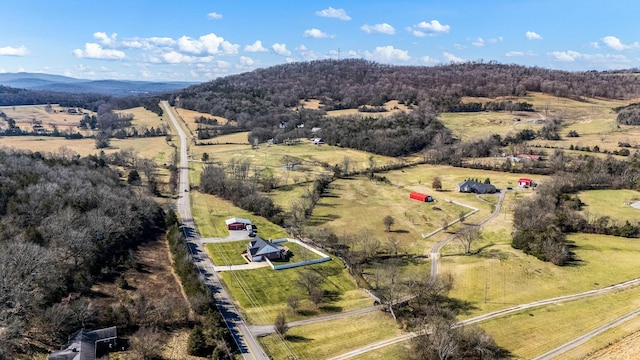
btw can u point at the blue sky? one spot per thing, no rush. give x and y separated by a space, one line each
199 40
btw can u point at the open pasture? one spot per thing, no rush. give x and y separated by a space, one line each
189 117
500 276
145 118
473 125
262 293
331 338
27 115
621 342
532 332
353 205
616 204
210 212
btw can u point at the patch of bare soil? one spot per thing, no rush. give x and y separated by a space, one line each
627 348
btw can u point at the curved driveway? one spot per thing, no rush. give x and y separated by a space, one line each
246 342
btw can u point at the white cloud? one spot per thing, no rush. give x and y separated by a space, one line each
246 61
567 56
429 60
281 49
174 57
383 28
132 44
514 53
334 13
615 43
452 58
611 60
95 51
105 39
595 45
431 28
532 35
161 41
214 16
255 47
304 53
479 42
316 33
387 54
210 44
14 51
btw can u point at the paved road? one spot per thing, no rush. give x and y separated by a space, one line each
584 338
247 343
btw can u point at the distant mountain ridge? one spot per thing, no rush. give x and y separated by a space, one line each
59 83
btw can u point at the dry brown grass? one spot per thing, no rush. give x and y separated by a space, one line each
189 117
25 116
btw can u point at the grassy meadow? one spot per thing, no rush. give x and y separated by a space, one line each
532 332
615 204
262 293
500 276
331 338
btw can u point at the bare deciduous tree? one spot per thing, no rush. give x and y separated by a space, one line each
467 236
280 324
388 222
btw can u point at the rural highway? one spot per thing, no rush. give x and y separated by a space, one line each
246 342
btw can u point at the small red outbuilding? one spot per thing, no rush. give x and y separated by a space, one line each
525 182
420 197
237 223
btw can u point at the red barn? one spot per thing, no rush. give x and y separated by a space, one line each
420 197
237 223
525 182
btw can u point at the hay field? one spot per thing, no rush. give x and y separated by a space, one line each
24 116
500 276
534 331
352 205
612 203
392 106
262 293
189 118
326 339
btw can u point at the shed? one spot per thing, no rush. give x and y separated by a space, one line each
237 223
525 182
420 197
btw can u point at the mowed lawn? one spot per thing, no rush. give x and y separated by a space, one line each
330 338
210 212
262 293
230 253
534 331
500 276
616 204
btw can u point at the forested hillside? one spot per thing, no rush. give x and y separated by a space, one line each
353 83
65 223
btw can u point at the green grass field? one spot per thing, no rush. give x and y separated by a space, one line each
209 213
534 331
393 352
612 203
326 339
262 293
501 276
230 253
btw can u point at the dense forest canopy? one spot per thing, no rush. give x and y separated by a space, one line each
64 222
353 83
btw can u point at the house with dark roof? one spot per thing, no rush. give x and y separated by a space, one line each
87 345
472 186
259 249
